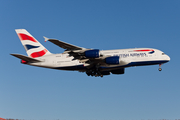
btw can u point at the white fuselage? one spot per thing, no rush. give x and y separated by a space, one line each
128 57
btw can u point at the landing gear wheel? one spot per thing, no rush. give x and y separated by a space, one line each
160 67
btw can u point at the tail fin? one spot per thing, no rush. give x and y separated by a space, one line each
32 46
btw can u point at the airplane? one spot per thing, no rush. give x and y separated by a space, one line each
94 62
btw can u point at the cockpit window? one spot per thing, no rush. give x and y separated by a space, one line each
163 53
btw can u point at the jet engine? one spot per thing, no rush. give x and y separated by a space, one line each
92 53
114 60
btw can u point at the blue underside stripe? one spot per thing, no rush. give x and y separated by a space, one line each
81 67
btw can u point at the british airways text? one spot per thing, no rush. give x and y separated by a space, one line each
131 55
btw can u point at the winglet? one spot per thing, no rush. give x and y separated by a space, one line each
46 39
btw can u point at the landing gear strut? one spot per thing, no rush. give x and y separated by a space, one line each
95 73
160 69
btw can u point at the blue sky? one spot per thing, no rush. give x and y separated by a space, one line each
28 92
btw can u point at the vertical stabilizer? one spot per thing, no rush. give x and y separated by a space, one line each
32 46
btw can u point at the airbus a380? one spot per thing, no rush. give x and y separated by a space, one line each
94 62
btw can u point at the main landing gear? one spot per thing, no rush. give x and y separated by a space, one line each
95 73
160 69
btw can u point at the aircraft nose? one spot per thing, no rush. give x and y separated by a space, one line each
168 58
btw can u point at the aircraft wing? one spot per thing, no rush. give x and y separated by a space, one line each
64 45
82 54
25 58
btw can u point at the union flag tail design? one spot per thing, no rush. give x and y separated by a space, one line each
32 46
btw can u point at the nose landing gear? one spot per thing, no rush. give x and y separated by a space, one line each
160 69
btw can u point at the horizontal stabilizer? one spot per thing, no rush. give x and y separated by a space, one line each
63 44
25 58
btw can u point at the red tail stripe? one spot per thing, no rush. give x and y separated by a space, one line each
26 37
38 54
144 50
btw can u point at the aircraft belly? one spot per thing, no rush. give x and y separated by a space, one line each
133 63
72 68
142 63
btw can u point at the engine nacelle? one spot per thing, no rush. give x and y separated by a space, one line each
114 60
92 53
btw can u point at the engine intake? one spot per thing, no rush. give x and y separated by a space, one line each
114 60
92 53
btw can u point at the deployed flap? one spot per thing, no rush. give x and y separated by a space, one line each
64 44
25 58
